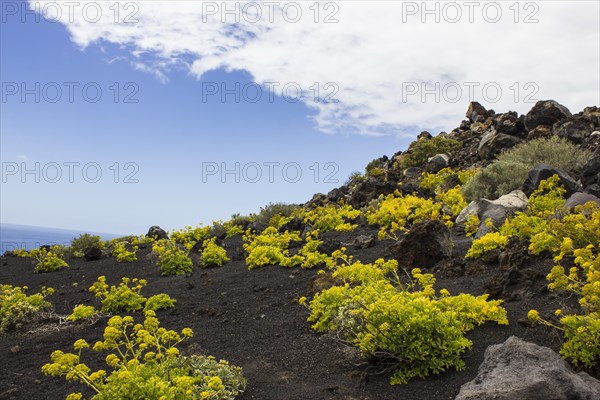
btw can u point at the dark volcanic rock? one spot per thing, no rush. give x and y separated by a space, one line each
510 124
424 135
590 173
544 171
427 243
476 110
157 233
370 189
517 369
575 130
493 143
93 253
545 112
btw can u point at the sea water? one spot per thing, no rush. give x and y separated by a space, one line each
27 237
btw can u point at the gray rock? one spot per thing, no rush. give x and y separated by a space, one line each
545 112
540 132
544 171
438 162
497 210
579 199
362 242
518 370
157 233
493 143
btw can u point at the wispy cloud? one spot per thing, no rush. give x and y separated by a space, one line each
390 71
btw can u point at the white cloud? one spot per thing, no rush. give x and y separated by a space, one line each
374 54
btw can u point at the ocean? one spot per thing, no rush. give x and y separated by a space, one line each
26 237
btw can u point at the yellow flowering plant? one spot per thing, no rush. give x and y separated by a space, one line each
172 259
213 254
16 307
409 324
144 363
125 297
332 217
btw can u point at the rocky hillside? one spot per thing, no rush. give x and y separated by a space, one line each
451 270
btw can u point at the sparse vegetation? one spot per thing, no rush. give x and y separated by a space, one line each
509 170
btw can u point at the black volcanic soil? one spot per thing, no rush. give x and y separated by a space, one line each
252 319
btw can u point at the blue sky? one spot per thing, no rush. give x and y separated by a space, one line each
170 132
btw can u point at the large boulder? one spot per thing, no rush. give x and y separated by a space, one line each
510 124
495 210
590 174
493 143
476 112
544 171
427 243
438 162
545 112
157 233
519 370
579 199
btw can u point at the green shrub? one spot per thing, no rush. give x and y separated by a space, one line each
120 298
354 178
49 261
84 242
159 302
269 248
510 169
213 254
188 236
408 326
419 151
123 254
271 210
332 217
16 307
144 363
171 258
81 312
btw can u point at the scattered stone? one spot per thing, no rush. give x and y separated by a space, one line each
320 282
510 124
544 171
438 162
92 254
590 173
548 376
545 112
427 243
493 143
363 241
157 233
573 130
540 132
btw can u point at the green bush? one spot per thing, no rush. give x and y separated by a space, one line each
510 169
84 242
213 254
171 258
273 209
81 312
409 326
420 150
16 307
123 254
144 363
159 302
49 261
